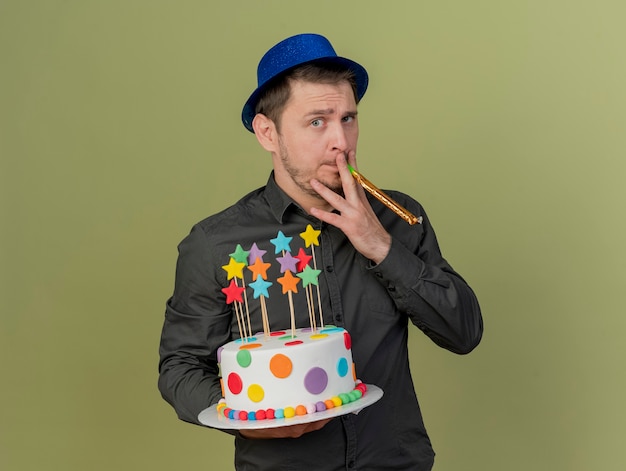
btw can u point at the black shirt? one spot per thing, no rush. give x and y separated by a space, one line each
373 302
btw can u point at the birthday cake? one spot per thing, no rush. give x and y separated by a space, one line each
288 373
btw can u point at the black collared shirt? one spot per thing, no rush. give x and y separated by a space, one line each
373 302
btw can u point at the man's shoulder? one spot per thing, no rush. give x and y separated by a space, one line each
234 214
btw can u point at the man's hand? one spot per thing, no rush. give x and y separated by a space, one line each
289 431
356 219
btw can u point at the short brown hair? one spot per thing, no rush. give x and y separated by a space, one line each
272 102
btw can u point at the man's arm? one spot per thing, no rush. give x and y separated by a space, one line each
424 286
195 325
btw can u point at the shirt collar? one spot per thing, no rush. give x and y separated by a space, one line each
278 201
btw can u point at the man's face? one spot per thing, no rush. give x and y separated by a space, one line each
318 123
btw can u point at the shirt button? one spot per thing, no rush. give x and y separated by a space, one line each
329 268
391 288
338 318
379 274
351 464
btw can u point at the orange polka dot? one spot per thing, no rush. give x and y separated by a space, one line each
300 410
249 346
280 365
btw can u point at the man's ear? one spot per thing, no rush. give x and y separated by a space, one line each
265 132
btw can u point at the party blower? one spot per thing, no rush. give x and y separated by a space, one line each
384 198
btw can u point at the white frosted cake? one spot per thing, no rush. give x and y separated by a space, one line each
284 375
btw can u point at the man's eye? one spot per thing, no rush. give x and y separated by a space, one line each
347 119
316 123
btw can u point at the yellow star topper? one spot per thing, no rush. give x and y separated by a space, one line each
234 269
310 236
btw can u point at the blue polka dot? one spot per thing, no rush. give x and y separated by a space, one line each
342 367
330 330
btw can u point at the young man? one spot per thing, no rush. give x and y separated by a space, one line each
378 273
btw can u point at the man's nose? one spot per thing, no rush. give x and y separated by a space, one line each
339 138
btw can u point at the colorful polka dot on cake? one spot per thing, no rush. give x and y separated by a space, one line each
255 393
347 340
342 367
250 346
318 336
249 339
280 365
244 358
316 380
235 385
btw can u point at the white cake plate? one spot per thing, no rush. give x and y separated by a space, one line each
211 418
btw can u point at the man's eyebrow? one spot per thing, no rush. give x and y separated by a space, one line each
327 111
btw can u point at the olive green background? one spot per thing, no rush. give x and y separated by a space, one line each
120 128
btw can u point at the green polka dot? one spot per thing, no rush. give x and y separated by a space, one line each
244 358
